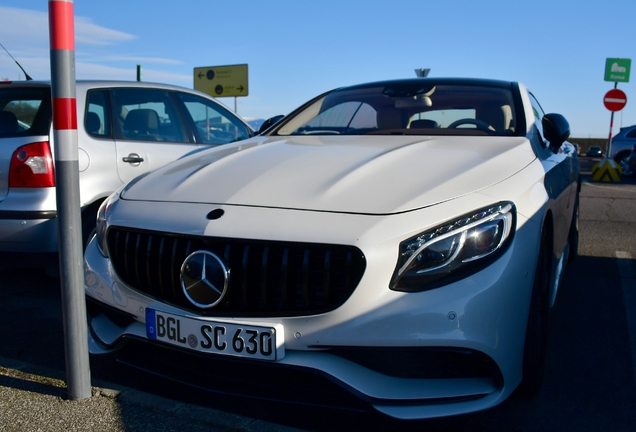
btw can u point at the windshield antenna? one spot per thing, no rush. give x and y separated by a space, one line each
28 78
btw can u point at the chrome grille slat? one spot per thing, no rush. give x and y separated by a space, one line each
266 278
160 267
126 249
326 275
264 269
148 261
304 286
174 272
137 253
244 274
284 275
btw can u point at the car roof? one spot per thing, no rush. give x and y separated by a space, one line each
435 81
85 85
99 84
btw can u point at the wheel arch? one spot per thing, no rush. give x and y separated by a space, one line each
621 154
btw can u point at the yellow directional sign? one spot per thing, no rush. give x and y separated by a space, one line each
222 81
607 171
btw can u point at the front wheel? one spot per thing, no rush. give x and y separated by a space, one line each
535 349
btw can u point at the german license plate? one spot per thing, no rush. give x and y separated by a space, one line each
250 341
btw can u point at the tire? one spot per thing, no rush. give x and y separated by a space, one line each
535 349
573 236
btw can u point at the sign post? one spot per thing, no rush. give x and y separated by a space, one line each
614 100
616 70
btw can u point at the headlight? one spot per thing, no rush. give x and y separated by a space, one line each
454 250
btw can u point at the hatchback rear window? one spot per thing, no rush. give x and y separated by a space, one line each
25 112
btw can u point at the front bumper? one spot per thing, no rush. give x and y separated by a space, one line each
390 349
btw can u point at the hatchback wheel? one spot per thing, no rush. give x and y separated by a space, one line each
621 160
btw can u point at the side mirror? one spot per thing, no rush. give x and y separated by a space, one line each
269 123
556 130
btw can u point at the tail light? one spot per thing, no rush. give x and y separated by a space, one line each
32 166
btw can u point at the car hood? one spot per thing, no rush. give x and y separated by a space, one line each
349 174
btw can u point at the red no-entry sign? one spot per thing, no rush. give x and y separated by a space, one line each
615 100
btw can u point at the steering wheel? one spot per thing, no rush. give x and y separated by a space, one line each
480 124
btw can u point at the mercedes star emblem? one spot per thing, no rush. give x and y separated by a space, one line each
204 279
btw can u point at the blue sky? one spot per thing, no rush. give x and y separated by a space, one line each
298 49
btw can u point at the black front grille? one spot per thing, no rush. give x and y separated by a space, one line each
266 278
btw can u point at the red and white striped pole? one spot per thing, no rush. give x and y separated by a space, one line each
69 221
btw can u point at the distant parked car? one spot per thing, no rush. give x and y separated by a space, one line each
622 145
124 129
594 151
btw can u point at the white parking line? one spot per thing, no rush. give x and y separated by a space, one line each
627 271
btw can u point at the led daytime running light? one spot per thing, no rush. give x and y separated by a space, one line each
462 225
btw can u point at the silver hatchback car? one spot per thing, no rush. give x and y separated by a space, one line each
124 129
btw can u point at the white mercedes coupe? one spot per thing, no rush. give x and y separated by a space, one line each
396 244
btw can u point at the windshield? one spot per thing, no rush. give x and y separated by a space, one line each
408 108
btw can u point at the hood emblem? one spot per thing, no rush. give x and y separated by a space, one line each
204 279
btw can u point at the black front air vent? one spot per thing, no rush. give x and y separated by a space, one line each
266 278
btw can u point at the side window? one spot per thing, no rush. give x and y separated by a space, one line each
146 115
97 118
538 114
213 123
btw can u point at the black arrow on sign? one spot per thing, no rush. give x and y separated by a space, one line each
201 75
240 88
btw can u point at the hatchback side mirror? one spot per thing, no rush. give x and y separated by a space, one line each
556 129
269 123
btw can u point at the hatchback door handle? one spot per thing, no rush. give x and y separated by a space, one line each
133 158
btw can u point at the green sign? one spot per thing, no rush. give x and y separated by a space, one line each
617 69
